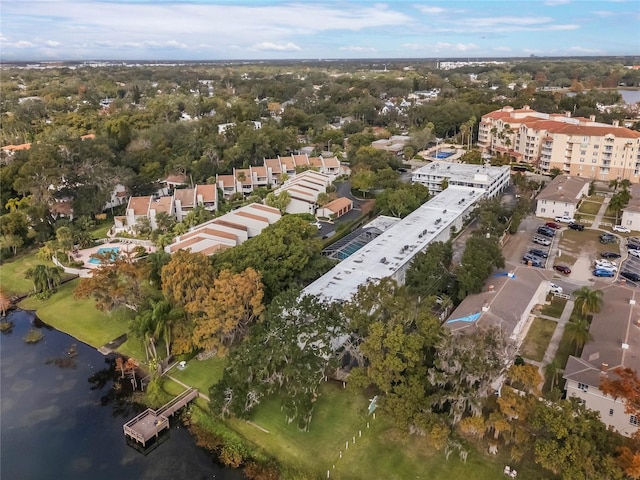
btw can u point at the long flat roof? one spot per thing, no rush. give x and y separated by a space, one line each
391 250
463 172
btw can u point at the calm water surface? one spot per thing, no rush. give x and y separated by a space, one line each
64 422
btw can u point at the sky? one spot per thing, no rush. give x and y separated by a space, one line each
306 29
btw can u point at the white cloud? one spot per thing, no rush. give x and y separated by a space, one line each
430 10
52 43
604 13
584 50
278 47
357 49
555 3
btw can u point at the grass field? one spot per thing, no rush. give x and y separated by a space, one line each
100 230
381 452
78 318
12 279
589 207
555 308
537 340
200 374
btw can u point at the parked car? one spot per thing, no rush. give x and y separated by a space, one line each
631 276
634 253
533 261
611 268
610 255
633 246
598 272
538 253
542 241
621 229
576 226
547 232
555 288
317 224
607 238
565 219
605 263
562 269
552 225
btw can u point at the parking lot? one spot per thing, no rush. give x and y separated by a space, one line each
629 264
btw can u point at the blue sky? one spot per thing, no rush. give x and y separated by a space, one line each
280 29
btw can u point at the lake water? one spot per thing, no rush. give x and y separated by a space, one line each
65 422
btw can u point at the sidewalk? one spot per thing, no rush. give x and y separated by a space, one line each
601 212
554 343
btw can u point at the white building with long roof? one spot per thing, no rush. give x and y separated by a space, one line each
391 253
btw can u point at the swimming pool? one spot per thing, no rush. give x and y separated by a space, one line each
443 155
113 251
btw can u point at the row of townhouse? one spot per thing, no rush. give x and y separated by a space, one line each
226 231
274 171
577 146
177 205
303 190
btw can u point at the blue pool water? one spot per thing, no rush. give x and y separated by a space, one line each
443 154
112 250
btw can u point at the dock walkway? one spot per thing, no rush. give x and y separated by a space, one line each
150 423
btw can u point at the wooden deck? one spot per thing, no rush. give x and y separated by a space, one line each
150 423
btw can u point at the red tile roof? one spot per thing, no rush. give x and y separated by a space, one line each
139 205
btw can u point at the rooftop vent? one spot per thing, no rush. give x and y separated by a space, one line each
438 220
383 260
444 211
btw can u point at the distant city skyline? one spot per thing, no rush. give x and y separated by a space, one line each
261 30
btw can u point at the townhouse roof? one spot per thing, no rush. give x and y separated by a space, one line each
273 164
214 248
300 160
162 204
331 161
247 175
564 188
615 332
265 208
15 148
139 205
227 180
634 201
316 161
338 204
63 207
209 231
176 179
209 193
288 163
185 196
259 171
251 216
226 223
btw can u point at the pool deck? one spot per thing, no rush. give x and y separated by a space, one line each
85 254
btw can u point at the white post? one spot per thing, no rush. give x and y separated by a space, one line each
359 433
347 445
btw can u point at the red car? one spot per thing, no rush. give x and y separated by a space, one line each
562 269
553 225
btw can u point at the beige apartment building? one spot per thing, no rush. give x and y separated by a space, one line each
577 146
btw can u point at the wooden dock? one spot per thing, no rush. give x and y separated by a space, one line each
150 423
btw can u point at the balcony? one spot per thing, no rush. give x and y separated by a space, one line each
566 167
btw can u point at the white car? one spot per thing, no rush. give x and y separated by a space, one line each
565 219
621 229
605 266
317 224
555 288
634 253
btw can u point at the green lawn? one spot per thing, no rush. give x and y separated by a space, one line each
100 230
381 451
555 308
589 207
78 318
537 340
200 374
12 280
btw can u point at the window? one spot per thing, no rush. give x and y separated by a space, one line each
611 412
582 159
596 146
633 420
582 386
543 210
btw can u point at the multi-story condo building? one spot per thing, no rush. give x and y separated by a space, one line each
436 175
577 146
270 173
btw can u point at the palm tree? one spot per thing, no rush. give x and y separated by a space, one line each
617 203
625 184
588 300
54 277
38 275
578 333
614 184
552 371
